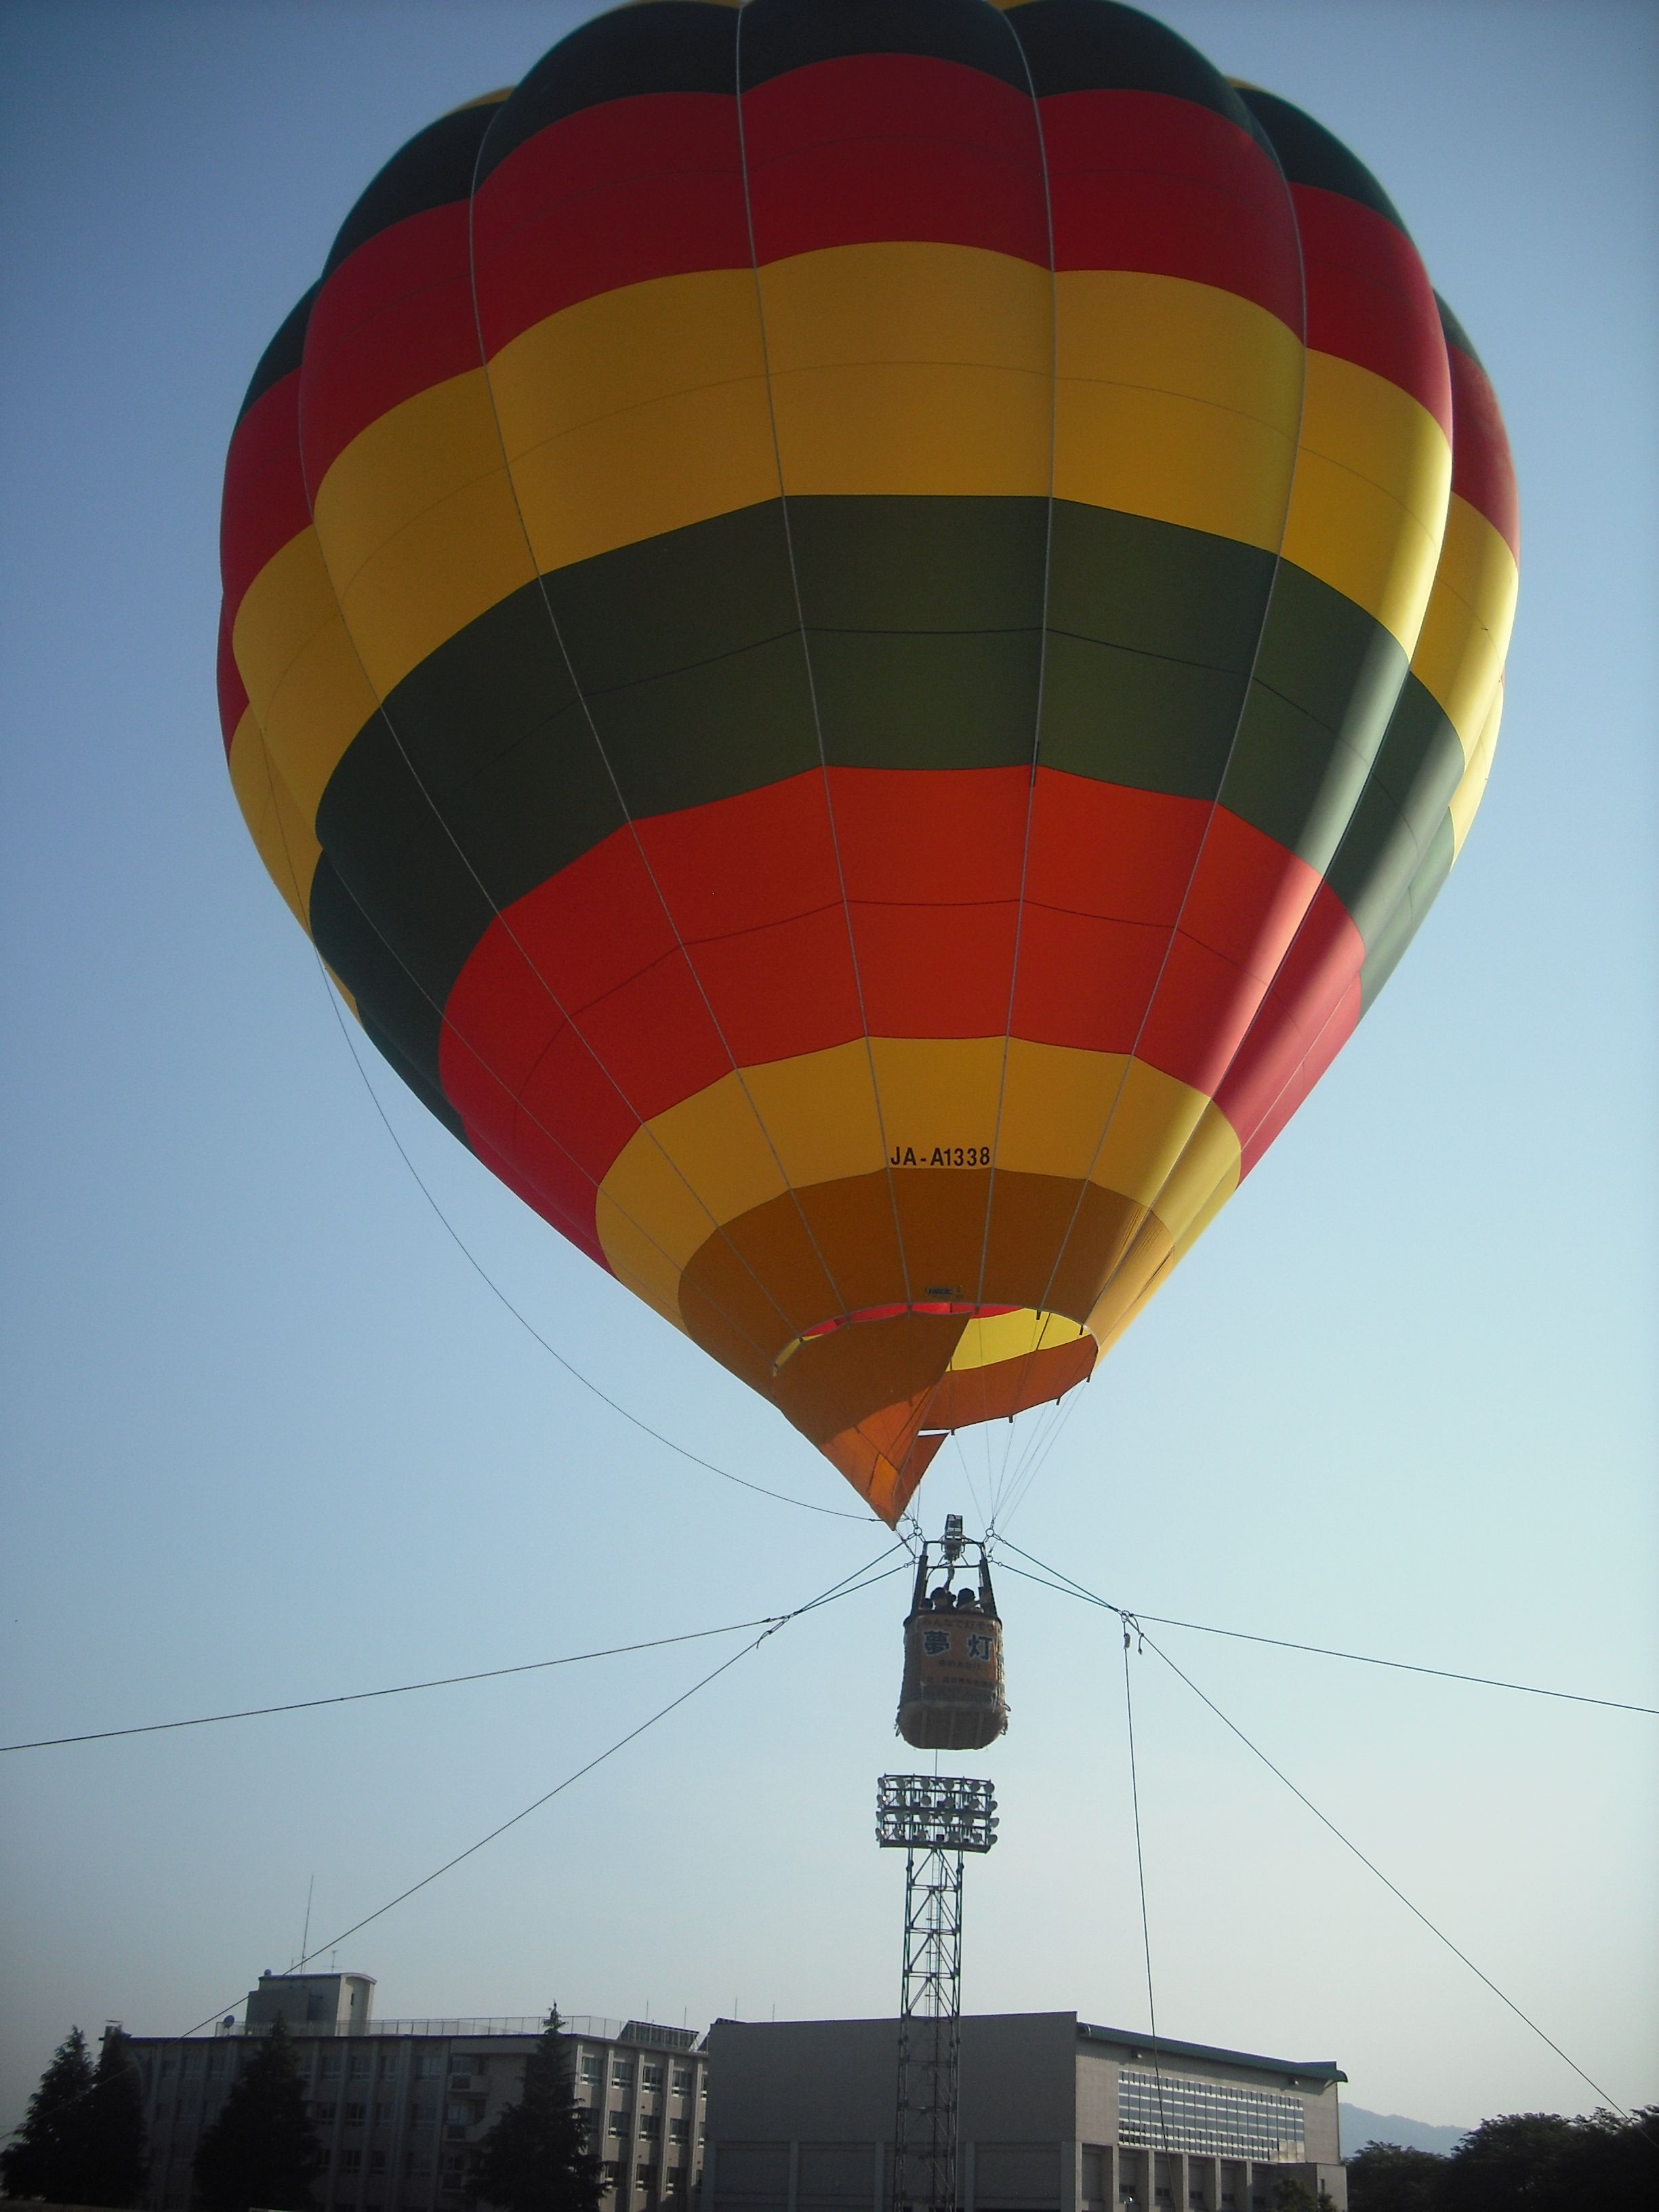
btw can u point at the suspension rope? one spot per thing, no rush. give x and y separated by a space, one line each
1131 1625
394 1690
849 1586
1064 1584
1140 1871
831 1512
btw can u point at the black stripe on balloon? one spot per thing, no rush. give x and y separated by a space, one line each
1096 46
1383 957
924 621
1308 155
1401 811
780 35
284 353
664 46
1455 334
433 170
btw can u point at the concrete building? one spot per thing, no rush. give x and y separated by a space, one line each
397 2104
1055 2117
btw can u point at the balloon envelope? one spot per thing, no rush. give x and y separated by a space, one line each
860 629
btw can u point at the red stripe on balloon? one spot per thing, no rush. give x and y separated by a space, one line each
1482 471
871 148
263 506
1144 181
874 147
395 317
1308 1016
582 1003
616 195
1369 299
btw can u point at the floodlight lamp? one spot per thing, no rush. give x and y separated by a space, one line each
935 1812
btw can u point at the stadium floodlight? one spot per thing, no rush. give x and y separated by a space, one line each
935 1813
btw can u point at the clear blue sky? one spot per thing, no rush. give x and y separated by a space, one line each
267 1436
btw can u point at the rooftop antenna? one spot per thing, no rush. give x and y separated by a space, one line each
305 1938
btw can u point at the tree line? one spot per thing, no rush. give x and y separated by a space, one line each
1522 2162
83 2140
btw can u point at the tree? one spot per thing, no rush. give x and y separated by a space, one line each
47 2158
1388 2178
116 2151
1518 2162
260 2150
536 2159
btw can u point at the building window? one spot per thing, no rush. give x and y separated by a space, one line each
419 2115
360 2063
324 2114
426 2066
651 2074
1178 2113
330 2062
388 2064
383 2113
650 2126
351 2161
622 2072
355 2115
588 2066
617 2125
377 2162
681 2079
678 2130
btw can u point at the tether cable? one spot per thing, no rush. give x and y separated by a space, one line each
831 1512
1133 1625
1145 1923
395 1690
849 1586
1394 1888
1064 1584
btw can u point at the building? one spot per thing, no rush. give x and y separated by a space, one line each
397 2104
1055 2116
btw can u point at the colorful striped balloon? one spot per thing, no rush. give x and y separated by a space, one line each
860 629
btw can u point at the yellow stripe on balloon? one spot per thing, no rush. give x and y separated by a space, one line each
1471 784
303 677
1373 477
917 369
810 1120
1465 632
418 524
639 412
1176 401
285 840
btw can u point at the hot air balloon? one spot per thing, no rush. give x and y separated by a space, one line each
860 629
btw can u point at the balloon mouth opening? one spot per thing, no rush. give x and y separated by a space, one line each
942 1307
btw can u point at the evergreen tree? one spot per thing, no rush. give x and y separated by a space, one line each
535 2158
261 2149
116 2159
47 2158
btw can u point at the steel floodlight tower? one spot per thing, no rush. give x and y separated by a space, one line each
934 1819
